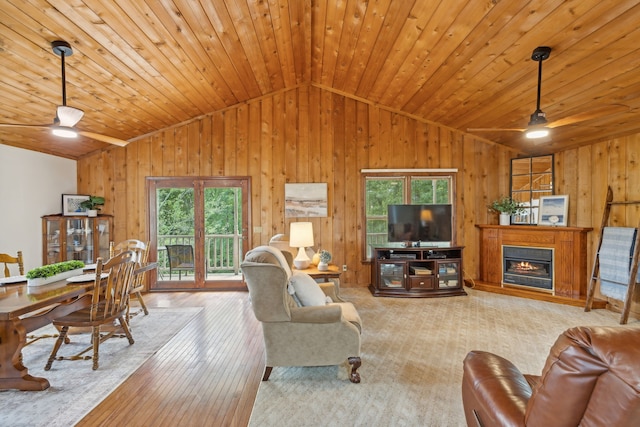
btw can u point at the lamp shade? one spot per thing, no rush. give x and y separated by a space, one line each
301 234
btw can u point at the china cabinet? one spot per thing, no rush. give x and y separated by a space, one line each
81 238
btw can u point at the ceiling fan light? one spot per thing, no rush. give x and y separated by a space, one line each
64 132
68 116
537 133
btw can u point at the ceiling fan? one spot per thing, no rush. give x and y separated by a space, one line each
67 117
538 126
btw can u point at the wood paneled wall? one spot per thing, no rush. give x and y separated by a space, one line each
311 134
307 134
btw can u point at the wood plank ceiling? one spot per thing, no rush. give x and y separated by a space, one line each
143 65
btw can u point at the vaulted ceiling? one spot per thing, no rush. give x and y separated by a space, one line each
143 65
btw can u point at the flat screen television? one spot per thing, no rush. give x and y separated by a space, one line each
420 223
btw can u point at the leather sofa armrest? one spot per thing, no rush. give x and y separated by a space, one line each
330 313
494 391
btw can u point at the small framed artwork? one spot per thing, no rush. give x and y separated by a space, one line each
305 200
553 210
71 204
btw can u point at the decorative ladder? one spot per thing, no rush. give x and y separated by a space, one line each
595 273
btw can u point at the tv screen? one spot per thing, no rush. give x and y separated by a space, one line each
419 223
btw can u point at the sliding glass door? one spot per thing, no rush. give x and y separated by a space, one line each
198 228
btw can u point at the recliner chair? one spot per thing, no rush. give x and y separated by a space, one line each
591 378
320 335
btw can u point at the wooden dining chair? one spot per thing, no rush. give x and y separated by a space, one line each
109 300
9 259
142 250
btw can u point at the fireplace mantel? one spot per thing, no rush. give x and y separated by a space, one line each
570 260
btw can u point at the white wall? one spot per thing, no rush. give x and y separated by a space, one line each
31 185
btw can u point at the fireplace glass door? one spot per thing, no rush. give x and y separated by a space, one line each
530 267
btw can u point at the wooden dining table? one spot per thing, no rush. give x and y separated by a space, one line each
23 309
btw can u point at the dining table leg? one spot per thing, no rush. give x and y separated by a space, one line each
13 374
13 337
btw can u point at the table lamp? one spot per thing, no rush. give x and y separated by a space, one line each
301 236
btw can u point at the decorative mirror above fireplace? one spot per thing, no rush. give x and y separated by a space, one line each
531 178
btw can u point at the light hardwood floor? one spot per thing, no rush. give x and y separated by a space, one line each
208 375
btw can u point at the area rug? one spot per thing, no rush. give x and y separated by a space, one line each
75 388
412 353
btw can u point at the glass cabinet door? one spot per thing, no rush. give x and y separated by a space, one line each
448 273
79 244
391 275
102 238
53 242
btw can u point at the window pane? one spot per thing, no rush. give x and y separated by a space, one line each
430 191
422 191
381 192
176 225
443 191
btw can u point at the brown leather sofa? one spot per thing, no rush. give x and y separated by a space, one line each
591 378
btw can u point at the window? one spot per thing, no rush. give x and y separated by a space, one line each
389 187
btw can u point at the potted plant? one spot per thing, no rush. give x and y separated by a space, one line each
325 257
91 205
506 207
54 272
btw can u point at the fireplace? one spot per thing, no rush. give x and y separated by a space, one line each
529 267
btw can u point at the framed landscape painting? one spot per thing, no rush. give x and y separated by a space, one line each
553 210
71 204
305 200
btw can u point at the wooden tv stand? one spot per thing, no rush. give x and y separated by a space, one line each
419 272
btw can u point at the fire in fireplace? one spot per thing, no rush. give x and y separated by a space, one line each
530 267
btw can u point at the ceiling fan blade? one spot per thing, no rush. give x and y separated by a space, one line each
104 138
589 115
539 141
495 130
15 125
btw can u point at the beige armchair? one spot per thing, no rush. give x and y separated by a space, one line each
295 335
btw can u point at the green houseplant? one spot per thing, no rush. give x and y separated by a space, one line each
54 272
325 257
506 206
92 205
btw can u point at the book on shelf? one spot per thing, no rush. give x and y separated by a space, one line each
421 271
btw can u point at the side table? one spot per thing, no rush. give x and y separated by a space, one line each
332 275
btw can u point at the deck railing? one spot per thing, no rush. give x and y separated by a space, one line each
222 251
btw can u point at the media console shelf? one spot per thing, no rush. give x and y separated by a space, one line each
420 272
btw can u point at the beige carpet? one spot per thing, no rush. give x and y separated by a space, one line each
75 387
412 352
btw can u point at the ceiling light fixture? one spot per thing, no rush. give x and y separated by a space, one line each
537 133
64 132
537 123
66 117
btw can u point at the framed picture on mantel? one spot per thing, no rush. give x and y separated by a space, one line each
553 210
